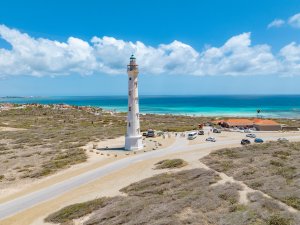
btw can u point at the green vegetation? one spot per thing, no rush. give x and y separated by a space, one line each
293 201
170 164
76 211
289 122
171 123
50 138
272 168
186 197
60 161
278 220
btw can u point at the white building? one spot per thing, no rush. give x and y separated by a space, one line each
133 138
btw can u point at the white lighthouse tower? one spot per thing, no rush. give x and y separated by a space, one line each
133 138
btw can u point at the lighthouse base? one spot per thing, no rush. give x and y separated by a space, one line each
133 143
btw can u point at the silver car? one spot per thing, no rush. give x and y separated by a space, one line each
251 135
212 139
282 140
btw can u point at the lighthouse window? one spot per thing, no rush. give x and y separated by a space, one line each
129 124
129 78
129 109
129 93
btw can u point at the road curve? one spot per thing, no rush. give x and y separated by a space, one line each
19 204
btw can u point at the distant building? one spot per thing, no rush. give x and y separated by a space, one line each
266 125
258 124
237 123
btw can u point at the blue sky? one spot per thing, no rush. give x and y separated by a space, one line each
183 47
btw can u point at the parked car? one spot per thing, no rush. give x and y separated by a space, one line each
247 131
258 140
245 142
150 133
215 130
192 135
201 132
145 134
212 139
282 139
251 135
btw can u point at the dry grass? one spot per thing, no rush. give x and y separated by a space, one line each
51 134
273 168
170 164
51 140
171 122
76 211
289 122
185 197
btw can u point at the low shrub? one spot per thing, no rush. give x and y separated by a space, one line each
170 164
75 211
278 220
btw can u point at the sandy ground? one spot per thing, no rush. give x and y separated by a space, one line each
96 158
106 186
115 147
225 135
110 184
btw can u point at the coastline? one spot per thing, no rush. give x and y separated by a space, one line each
277 106
96 109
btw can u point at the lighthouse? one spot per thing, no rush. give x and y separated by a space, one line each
133 138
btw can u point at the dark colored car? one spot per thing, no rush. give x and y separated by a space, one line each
258 140
150 133
245 142
215 130
201 132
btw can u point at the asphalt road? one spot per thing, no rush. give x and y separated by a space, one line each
19 204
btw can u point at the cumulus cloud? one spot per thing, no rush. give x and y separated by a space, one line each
276 23
294 21
108 55
291 59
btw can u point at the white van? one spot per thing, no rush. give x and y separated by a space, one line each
192 135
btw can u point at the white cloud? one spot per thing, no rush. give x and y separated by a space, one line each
291 59
294 21
39 57
237 57
276 23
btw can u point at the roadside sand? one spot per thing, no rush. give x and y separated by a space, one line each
239 136
106 186
95 160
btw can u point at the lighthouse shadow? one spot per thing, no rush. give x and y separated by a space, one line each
112 149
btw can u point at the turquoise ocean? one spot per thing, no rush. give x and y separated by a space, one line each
271 106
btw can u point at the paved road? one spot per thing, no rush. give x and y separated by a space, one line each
19 204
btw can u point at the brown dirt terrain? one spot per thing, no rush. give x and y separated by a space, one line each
36 140
186 197
273 168
49 139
